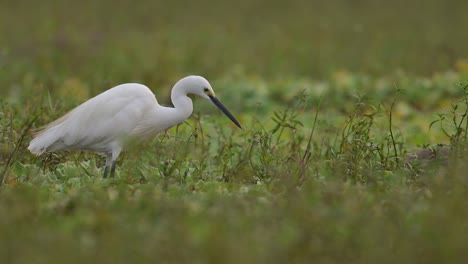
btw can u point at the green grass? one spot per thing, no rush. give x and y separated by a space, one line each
331 97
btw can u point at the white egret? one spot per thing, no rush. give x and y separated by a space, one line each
105 122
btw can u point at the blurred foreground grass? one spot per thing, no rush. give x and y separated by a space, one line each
208 192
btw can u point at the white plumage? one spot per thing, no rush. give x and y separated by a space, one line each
106 121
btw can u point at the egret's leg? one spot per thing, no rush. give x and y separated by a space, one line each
113 158
113 168
108 165
106 171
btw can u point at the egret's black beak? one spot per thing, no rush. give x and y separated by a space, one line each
225 111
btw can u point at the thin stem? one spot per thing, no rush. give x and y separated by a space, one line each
391 132
27 126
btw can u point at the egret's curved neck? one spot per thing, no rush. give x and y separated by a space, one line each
182 103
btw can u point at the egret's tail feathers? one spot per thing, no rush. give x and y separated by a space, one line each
35 149
43 141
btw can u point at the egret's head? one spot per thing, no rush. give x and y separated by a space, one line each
200 86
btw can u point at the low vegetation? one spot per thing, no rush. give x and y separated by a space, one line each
346 164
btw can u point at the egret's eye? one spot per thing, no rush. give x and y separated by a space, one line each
206 90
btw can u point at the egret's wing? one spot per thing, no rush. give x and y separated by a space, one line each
100 120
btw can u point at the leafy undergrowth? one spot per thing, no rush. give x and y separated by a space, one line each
319 172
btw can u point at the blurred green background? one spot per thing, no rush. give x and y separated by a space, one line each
156 42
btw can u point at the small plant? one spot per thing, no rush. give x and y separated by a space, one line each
357 146
455 124
393 148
